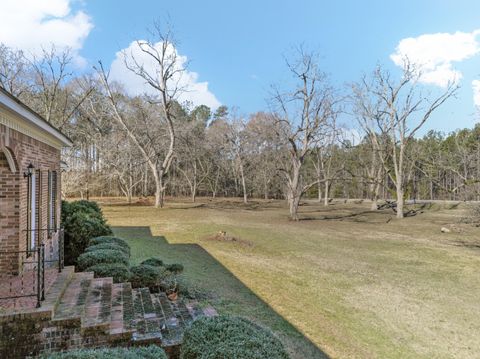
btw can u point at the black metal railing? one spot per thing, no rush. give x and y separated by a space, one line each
24 271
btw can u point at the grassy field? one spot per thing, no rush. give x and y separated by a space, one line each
343 283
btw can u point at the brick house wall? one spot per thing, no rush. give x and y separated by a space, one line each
25 150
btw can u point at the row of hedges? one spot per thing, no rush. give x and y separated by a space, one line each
207 338
109 256
81 220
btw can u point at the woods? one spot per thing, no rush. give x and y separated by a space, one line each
317 141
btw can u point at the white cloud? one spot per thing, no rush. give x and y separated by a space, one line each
30 25
476 92
435 54
195 91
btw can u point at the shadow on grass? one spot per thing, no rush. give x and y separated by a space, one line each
231 296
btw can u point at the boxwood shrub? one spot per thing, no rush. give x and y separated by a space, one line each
81 220
112 245
118 271
144 275
230 337
175 268
109 239
153 261
89 259
150 352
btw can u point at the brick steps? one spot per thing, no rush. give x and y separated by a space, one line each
97 306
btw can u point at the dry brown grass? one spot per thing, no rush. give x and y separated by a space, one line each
357 284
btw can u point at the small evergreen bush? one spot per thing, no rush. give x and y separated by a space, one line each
107 245
144 275
230 337
89 259
81 221
175 268
118 271
109 239
150 352
153 261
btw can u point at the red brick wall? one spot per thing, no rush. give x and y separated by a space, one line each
14 193
9 214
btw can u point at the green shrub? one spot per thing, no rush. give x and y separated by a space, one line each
153 261
89 259
175 268
144 275
230 337
150 352
109 239
86 205
187 288
107 245
118 271
81 220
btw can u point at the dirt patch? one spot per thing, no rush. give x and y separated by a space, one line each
223 236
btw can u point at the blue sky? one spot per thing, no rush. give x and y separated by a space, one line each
238 47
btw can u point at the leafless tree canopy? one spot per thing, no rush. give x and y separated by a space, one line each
153 145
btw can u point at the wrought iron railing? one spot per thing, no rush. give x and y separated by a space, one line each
24 270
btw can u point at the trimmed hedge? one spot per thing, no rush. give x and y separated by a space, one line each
81 220
230 337
175 268
153 261
109 239
118 271
89 259
113 246
144 275
150 352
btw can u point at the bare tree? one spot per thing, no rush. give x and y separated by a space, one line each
164 79
303 116
398 110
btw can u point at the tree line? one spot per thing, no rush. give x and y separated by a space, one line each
153 145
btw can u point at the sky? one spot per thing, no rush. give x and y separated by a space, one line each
236 50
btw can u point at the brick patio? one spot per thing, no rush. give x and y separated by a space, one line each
23 284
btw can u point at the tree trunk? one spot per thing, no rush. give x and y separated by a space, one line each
294 191
327 189
245 200
319 185
293 202
400 202
158 190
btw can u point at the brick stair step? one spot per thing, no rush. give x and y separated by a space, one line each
122 307
98 306
175 317
54 294
145 322
72 303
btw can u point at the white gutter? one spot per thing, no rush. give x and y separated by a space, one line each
15 105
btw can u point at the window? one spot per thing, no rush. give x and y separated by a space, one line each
32 210
52 202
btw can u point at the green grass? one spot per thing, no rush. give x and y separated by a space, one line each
345 282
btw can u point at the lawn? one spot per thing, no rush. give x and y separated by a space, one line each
344 281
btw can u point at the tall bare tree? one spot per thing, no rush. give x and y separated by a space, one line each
303 115
164 78
398 110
